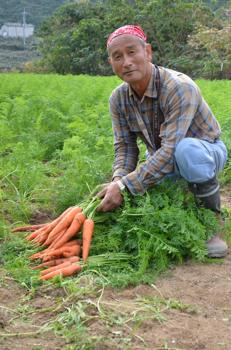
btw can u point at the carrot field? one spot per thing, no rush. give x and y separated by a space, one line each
56 147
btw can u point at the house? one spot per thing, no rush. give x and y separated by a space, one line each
16 30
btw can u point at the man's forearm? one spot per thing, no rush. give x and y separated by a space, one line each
126 158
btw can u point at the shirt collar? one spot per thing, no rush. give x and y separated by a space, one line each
151 88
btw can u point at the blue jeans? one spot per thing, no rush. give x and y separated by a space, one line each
198 161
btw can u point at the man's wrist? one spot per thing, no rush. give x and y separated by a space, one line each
116 178
122 187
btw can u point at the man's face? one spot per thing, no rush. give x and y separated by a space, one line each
130 58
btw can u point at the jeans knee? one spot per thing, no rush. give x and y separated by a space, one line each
193 161
183 151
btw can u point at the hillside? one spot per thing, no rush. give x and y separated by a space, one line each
13 54
37 10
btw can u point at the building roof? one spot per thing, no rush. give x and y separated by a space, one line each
11 24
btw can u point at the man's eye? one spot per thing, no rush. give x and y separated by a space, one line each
117 58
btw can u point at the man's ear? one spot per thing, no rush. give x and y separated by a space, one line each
148 49
109 60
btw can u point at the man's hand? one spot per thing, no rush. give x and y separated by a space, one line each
112 197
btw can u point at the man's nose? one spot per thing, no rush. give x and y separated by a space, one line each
127 61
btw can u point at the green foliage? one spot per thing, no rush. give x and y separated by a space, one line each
222 111
169 40
159 228
14 255
74 38
51 126
213 47
37 11
57 145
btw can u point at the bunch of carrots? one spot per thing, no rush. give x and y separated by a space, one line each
62 251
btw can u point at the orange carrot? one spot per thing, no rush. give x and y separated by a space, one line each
40 238
38 255
71 242
56 262
64 251
63 224
72 230
76 250
40 230
49 253
64 272
59 218
88 230
32 235
49 227
27 228
55 268
56 239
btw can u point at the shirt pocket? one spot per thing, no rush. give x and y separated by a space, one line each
133 122
134 126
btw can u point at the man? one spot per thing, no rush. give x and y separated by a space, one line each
166 110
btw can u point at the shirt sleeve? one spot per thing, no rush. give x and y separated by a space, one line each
180 108
125 142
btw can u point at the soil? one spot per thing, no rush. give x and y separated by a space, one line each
206 288
11 297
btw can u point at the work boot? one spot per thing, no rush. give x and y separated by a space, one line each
208 194
217 248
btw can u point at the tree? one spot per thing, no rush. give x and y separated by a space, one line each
74 38
168 25
68 36
213 46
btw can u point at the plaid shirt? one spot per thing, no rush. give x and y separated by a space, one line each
186 114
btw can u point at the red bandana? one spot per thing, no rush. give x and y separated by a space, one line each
128 29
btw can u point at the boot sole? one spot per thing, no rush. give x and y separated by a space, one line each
217 254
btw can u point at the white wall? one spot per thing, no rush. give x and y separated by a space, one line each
16 30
